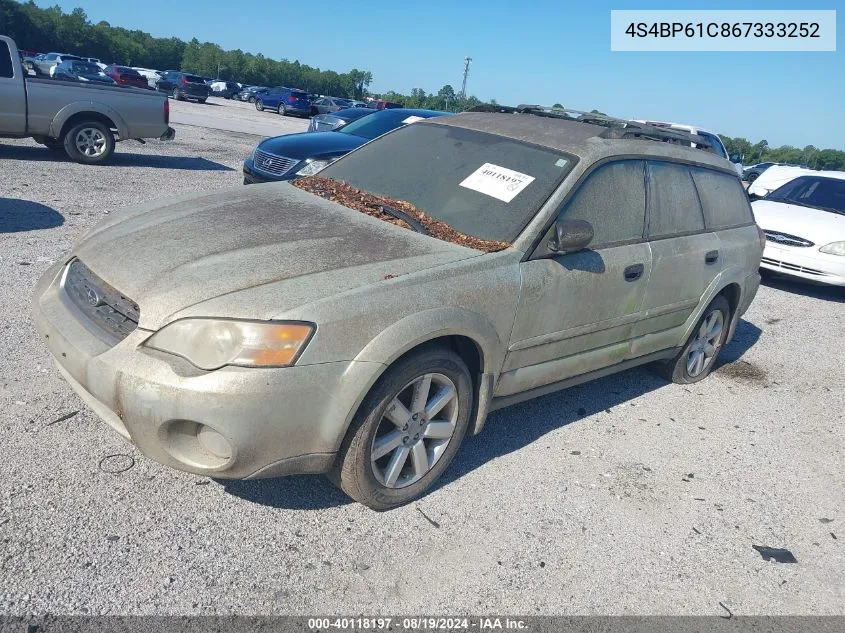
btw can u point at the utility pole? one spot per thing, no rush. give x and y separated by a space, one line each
467 61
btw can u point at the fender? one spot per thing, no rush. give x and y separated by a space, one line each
88 106
734 274
416 329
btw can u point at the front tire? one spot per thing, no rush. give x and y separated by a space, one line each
753 176
407 430
698 357
90 143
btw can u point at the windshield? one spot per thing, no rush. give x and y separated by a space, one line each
817 192
383 122
479 184
86 69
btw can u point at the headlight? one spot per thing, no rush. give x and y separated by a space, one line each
313 166
212 343
834 248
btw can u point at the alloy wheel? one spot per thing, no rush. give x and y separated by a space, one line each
415 430
706 344
90 141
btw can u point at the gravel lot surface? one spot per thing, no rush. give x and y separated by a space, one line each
234 116
623 496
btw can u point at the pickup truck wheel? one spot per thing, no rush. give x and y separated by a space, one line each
407 430
90 143
259 105
698 357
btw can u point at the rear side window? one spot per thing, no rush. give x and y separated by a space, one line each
612 199
6 69
193 79
722 198
673 206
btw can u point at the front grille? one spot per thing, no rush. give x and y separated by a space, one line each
787 266
102 304
785 239
272 164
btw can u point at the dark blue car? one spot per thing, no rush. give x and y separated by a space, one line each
296 155
284 101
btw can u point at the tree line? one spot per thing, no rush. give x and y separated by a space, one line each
52 30
760 152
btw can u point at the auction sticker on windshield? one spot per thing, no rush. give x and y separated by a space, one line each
497 182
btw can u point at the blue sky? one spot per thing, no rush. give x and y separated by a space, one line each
541 51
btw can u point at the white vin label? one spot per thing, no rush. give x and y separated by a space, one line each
497 182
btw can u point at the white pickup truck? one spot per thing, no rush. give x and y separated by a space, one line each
83 120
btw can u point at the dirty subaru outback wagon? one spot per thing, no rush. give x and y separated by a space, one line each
360 322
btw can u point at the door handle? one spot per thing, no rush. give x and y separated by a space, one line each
634 272
711 257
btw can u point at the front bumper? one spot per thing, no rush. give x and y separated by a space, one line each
804 263
272 422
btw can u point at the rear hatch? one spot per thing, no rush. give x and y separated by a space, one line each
194 84
298 100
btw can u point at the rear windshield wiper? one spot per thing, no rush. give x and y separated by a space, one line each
405 217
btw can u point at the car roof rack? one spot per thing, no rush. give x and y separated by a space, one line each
616 128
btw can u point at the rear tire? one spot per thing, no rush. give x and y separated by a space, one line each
259 105
90 143
200 100
177 94
753 176
251 99
698 357
282 110
434 388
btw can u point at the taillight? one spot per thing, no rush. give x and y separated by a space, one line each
167 111
762 235
183 81
292 99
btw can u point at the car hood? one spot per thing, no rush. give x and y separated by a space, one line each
203 254
820 227
311 144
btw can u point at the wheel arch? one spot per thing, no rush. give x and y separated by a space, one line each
74 113
471 335
727 285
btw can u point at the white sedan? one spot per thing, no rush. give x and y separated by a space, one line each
804 223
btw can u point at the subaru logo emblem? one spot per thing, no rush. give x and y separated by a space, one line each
93 297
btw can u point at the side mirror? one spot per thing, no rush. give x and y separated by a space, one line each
736 158
570 236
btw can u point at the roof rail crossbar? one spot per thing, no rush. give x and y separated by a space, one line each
617 128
